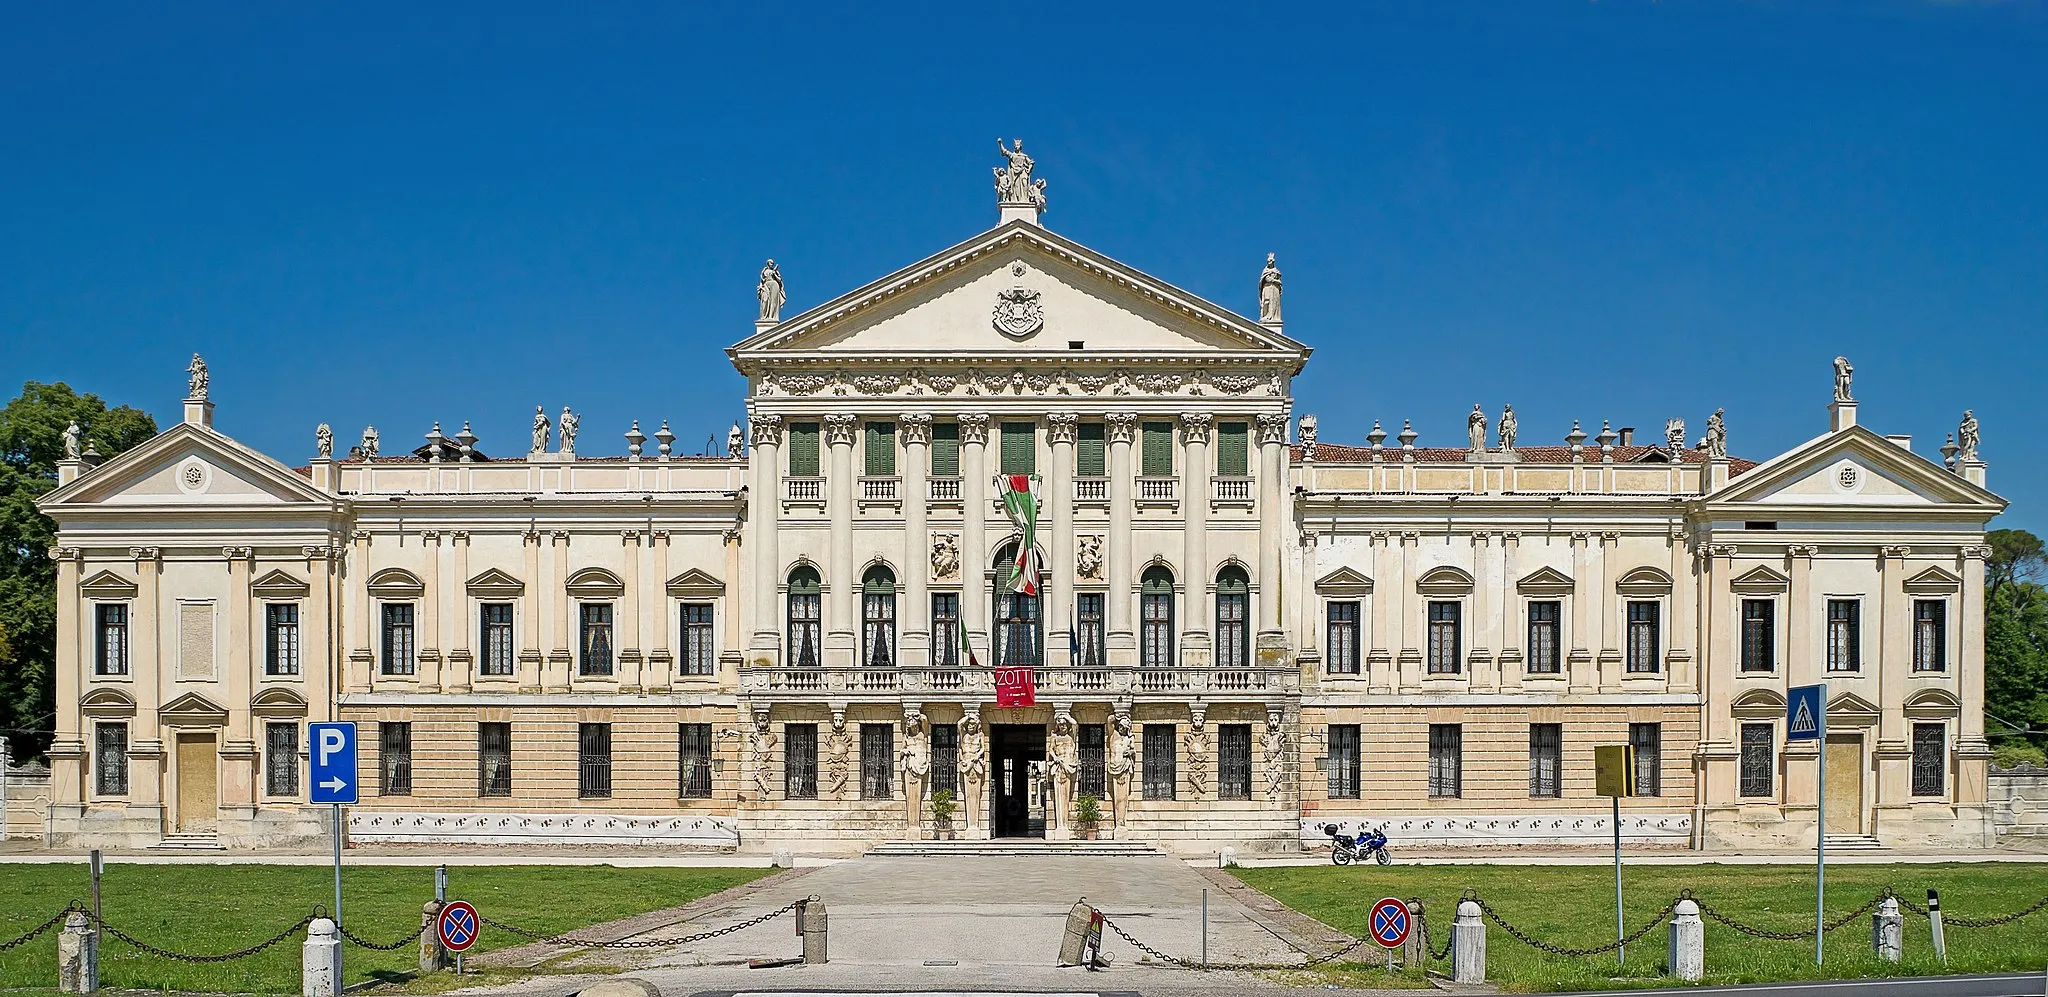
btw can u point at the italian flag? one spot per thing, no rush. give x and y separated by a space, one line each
966 646
1022 506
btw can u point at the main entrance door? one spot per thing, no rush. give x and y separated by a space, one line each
1017 755
198 783
1844 804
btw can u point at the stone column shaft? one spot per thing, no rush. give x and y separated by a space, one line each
1196 575
1058 498
1121 640
974 505
842 600
764 508
915 613
1272 521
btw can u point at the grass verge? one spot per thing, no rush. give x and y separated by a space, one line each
1573 907
205 909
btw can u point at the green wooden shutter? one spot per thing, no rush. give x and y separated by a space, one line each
881 449
946 450
1020 448
803 449
1091 458
1157 459
1233 446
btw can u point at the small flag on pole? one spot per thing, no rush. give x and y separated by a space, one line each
967 646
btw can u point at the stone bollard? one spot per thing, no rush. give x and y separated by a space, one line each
780 859
1413 951
1074 941
1468 945
78 955
1686 956
433 957
320 965
1887 930
1226 857
811 925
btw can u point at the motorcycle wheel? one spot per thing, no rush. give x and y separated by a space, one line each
1383 858
1340 856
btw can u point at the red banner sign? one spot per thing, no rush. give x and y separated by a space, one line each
1016 687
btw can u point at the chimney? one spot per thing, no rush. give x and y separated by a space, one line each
1902 442
1628 436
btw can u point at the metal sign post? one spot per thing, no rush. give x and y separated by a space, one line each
98 863
1806 719
332 774
1614 776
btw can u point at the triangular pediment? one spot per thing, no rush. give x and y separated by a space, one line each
1545 581
1851 710
1935 580
107 585
1761 580
188 466
1057 293
192 710
1344 581
1855 468
695 584
279 585
496 584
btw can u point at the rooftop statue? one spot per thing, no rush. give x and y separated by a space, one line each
1269 292
769 290
1013 180
540 429
199 377
1842 374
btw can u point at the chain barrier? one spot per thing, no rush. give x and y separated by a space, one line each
1958 921
1422 923
1533 942
33 933
644 943
1231 967
352 939
1712 913
164 953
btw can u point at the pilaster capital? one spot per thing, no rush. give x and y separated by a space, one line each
1510 537
459 536
731 535
237 553
1721 550
1272 428
973 427
359 536
917 428
431 536
1380 537
1896 552
532 535
1194 426
660 536
1481 538
560 536
1609 537
839 428
1802 550
767 429
1580 537
66 554
143 554
1059 426
1976 553
1123 426
630 538
1411 537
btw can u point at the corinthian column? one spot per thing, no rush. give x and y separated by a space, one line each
974 607
1120 642
1059 500
915 613
843 600
1194 504
762 510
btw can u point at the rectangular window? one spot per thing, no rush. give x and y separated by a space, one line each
394 759
805 628
881 452
1446 760
945 450
496 621
1342 764
596 642
946 758
946 629
800 761
1445 652
1341 626
110 759
593 761
1094 777
1155 628
281 638
1020 448
699 656
1546 758
1234 761
281 759
1759 635
398 644
1091 450
803 449
877 760
1089 630
693 761
1930 759
1233 646
1930 635
1233 449
1643 637
878 625
1162 776
1545 637
1648 740
1845 635
1155 450
111 656
494 759
1759 760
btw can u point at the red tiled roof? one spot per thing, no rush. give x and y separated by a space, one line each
1335 453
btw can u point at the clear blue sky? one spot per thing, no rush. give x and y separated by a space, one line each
1620 210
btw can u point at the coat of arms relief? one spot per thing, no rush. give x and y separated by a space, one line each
1018 313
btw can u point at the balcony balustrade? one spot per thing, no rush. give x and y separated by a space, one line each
944 489
1055 683
804 489
875 489
1234 490
1091 489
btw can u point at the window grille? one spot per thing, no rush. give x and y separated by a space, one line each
1093 779
494 759
1845 644
1342 765
1930 635
1341 625
1155 618
1446 760
1648 740
597 638
1445 652
877 760
1233 628
281 638
946 629
1545 656
394 759
800 761
112 653
281 759
1759 635
1234 761
1759 759
1546 758
1643 637
700 657
110 759
1162 778
398 644
1089 629
946 757
496 621
593 761
693 761
1930 759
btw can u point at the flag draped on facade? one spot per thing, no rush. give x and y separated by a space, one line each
1021 503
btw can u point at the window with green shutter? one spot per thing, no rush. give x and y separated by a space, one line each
803 449
881 450
1091 455
1020 448
1157 457
1233 449
945 450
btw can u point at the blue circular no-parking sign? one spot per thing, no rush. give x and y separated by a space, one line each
1390 923
458 926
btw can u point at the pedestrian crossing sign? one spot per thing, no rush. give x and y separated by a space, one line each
1806 717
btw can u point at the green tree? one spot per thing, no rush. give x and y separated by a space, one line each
31 443
2016 556
2016 662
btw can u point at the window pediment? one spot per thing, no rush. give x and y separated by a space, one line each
1761 580
1758 704
1644 582
192 710
107 585
695 584
1444 580
279 585
496 584
1934 581
396 583
595 583
1344 582
1545 581
106 703
1933 704
1851 710
278 704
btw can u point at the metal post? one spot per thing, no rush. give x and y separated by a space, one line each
441 883
1205 929
98 863
1934 920
1620 951
337 865
1820 841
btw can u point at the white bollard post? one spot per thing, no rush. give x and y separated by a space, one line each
1468 945
1887 931
1687 953
780 859
320 963
78 955
1226 857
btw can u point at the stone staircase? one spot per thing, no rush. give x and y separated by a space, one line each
188 843
1854 843
1023 847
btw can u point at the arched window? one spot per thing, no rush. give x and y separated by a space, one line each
1155 617
1019 637
878 617
1233 623
805 624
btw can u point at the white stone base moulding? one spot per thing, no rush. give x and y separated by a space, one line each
1505 829
393 827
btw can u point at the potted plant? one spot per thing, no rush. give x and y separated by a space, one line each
943 809
1087 815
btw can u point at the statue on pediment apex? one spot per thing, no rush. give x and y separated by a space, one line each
1014 184
770 293
1269 292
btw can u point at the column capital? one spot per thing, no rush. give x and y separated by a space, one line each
460 536
66 554
431 536
1511 537
1723 551
1380 537
1272 428
1802 550
767 429
1580 537
1411 536
560 536
839 428
973 427
237 553
1123 426
1976 553
630 538
1059 426
142 554
1481 538
1610 537
660 536
917 428
1194 426
1896 552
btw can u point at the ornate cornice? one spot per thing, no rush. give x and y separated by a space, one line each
1060 427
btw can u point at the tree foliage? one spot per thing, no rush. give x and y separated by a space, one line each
2016 556
31 443
2016 640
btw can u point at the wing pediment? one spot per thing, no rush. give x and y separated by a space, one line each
1855 468
188 466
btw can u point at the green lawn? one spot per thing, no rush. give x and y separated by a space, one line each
216 908
1573 906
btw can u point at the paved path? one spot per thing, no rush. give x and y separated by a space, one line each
1999 985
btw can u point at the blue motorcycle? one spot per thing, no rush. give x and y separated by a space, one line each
1346 849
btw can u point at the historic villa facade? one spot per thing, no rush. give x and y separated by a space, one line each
1237 637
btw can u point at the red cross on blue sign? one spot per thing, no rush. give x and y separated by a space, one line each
457 926
1390 923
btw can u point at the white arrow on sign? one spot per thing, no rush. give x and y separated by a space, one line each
334 784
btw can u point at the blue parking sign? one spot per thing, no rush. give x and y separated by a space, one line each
333 769
1806 714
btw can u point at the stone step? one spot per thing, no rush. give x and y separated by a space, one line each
189 843
1854 843
1013 847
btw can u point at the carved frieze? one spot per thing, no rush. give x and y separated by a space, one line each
945 555
1088 556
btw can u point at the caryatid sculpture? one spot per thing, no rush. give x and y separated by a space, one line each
541 425
1273 744
1121 766
1508 428
917 766
1013 179
838 759
1842 374
973 766
1269 292
769 291
1475 428
1065 757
